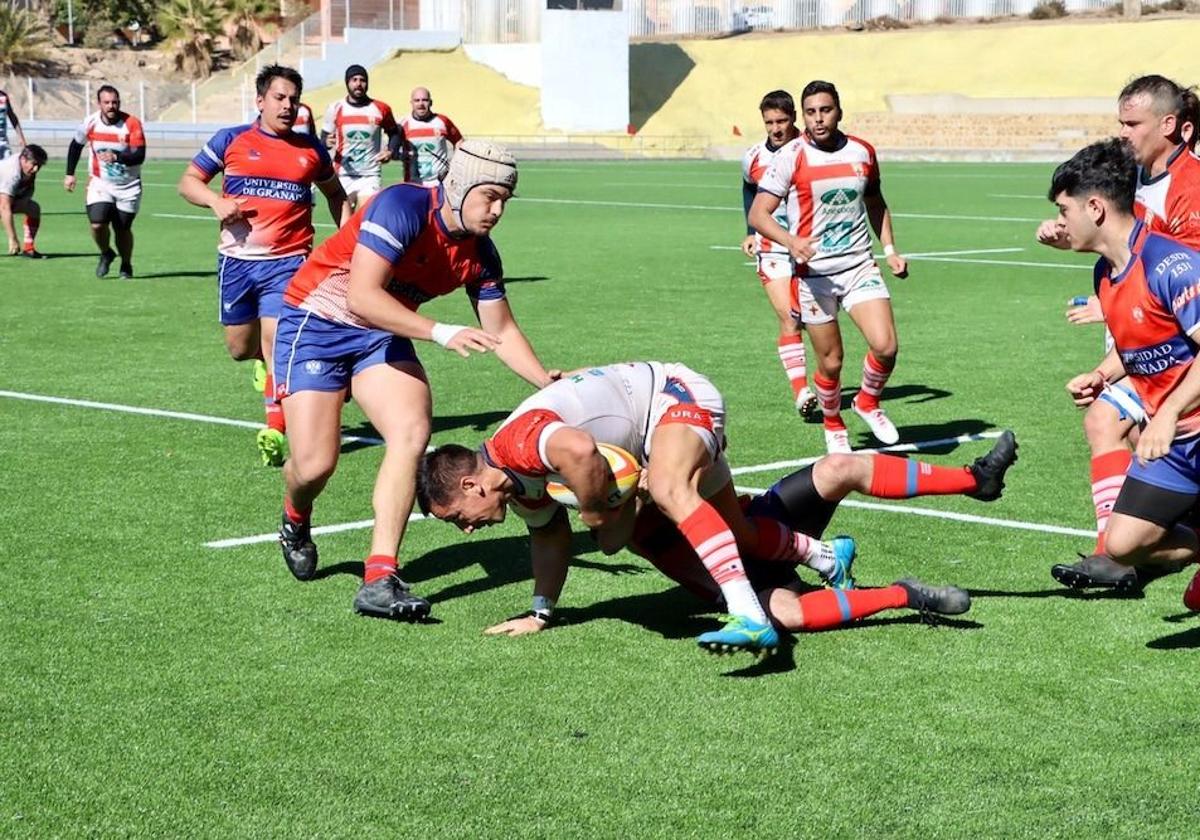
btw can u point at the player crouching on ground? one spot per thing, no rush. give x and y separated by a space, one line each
347 325
18 179
1147 285
672 420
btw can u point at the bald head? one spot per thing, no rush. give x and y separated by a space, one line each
422 103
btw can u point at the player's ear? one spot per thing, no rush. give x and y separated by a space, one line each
1096 209
469 485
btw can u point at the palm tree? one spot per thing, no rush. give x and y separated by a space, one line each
247 17
23 40
190 27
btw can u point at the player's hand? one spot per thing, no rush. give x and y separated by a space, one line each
13 248
226 210
1053 233
470 340
600 518
383 157
748 245
516 627
69 183
1089 313
801 249
106 156
898 265
1086 387
1155 440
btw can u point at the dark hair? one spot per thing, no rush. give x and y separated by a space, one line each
107 89
778 100
1106 169
1165 96
35 153
277 71
1189 113
439 473
817 86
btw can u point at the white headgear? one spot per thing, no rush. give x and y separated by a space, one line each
475 163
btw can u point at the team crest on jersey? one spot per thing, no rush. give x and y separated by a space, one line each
860 171
312 367
1138 314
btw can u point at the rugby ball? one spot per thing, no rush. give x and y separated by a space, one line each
625 474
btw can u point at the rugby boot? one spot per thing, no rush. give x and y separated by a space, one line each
944 600
33 254
740 633
299 551
837 441
106 260
1097 571
844 552
259 376
807 403
989 469
390 597
272 446
126 271
881 427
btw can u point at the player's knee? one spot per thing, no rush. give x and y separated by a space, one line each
836 475
242 350
783 607
33 210
309 467
409 439
1102 427
830 362
886 353
1126 546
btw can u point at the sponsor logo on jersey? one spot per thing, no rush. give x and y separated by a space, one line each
839 197
1183 297
1148 361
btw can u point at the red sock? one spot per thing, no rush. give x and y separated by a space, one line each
900 478
272 406
830 608
714 544
300 517
775 541
791 353
829 394
875 376
1108 474
31 229
378 567
1191 597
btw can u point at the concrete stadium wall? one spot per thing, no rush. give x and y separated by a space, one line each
585 70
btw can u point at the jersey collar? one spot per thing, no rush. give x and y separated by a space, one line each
1134 235
1143 173
841 142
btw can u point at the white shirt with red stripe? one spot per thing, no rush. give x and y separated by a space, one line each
358 135
823 193
755 163
124 135
433 141
304 120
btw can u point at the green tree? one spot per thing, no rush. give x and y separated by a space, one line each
23 40
247 18
190 27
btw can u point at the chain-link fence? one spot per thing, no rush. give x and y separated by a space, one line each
73 99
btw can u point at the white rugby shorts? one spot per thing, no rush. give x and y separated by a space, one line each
364 185
126 197
820 295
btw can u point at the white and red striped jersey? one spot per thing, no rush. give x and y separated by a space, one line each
433 141
358 135
124 135
304 123
823 193
755 163
1169 203
5 118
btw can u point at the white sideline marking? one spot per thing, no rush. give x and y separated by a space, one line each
1014 195
1008 262
321 529
159 412
899 447
918 255
192 217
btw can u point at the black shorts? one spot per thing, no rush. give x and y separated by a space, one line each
1163 507
106 212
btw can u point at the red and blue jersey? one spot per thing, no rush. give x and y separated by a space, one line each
271 176
1152 308
402 224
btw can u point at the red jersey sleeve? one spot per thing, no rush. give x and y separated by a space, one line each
452 132
515 446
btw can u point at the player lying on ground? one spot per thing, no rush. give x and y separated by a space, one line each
1147 287
1158 119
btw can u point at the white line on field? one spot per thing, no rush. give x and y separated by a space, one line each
193 217
160 412
234 542
1008 262
1016 195
899 447
918 255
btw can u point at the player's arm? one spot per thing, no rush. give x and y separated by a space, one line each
496 318
748 192
193 188
761 218
16 123
881 222
1156 438
1053 232
395 136
6 219
572 453
1086 387
335 196
74 152
550 553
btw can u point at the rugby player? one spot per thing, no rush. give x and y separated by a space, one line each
433 138
1157 121
356 124
1148 287
18 179
8 116
347 326
830 183
265 211
116 149
773 260
672 420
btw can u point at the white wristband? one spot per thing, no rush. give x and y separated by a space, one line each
443 334
889 250
543 604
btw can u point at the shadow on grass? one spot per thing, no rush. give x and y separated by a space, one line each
1060 592
479 422
1183 640
530 278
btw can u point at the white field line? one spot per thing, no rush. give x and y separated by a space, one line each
899 447
917 255
1022 263
159 412
234 542
1016 195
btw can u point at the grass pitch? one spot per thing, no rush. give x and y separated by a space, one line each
157 686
